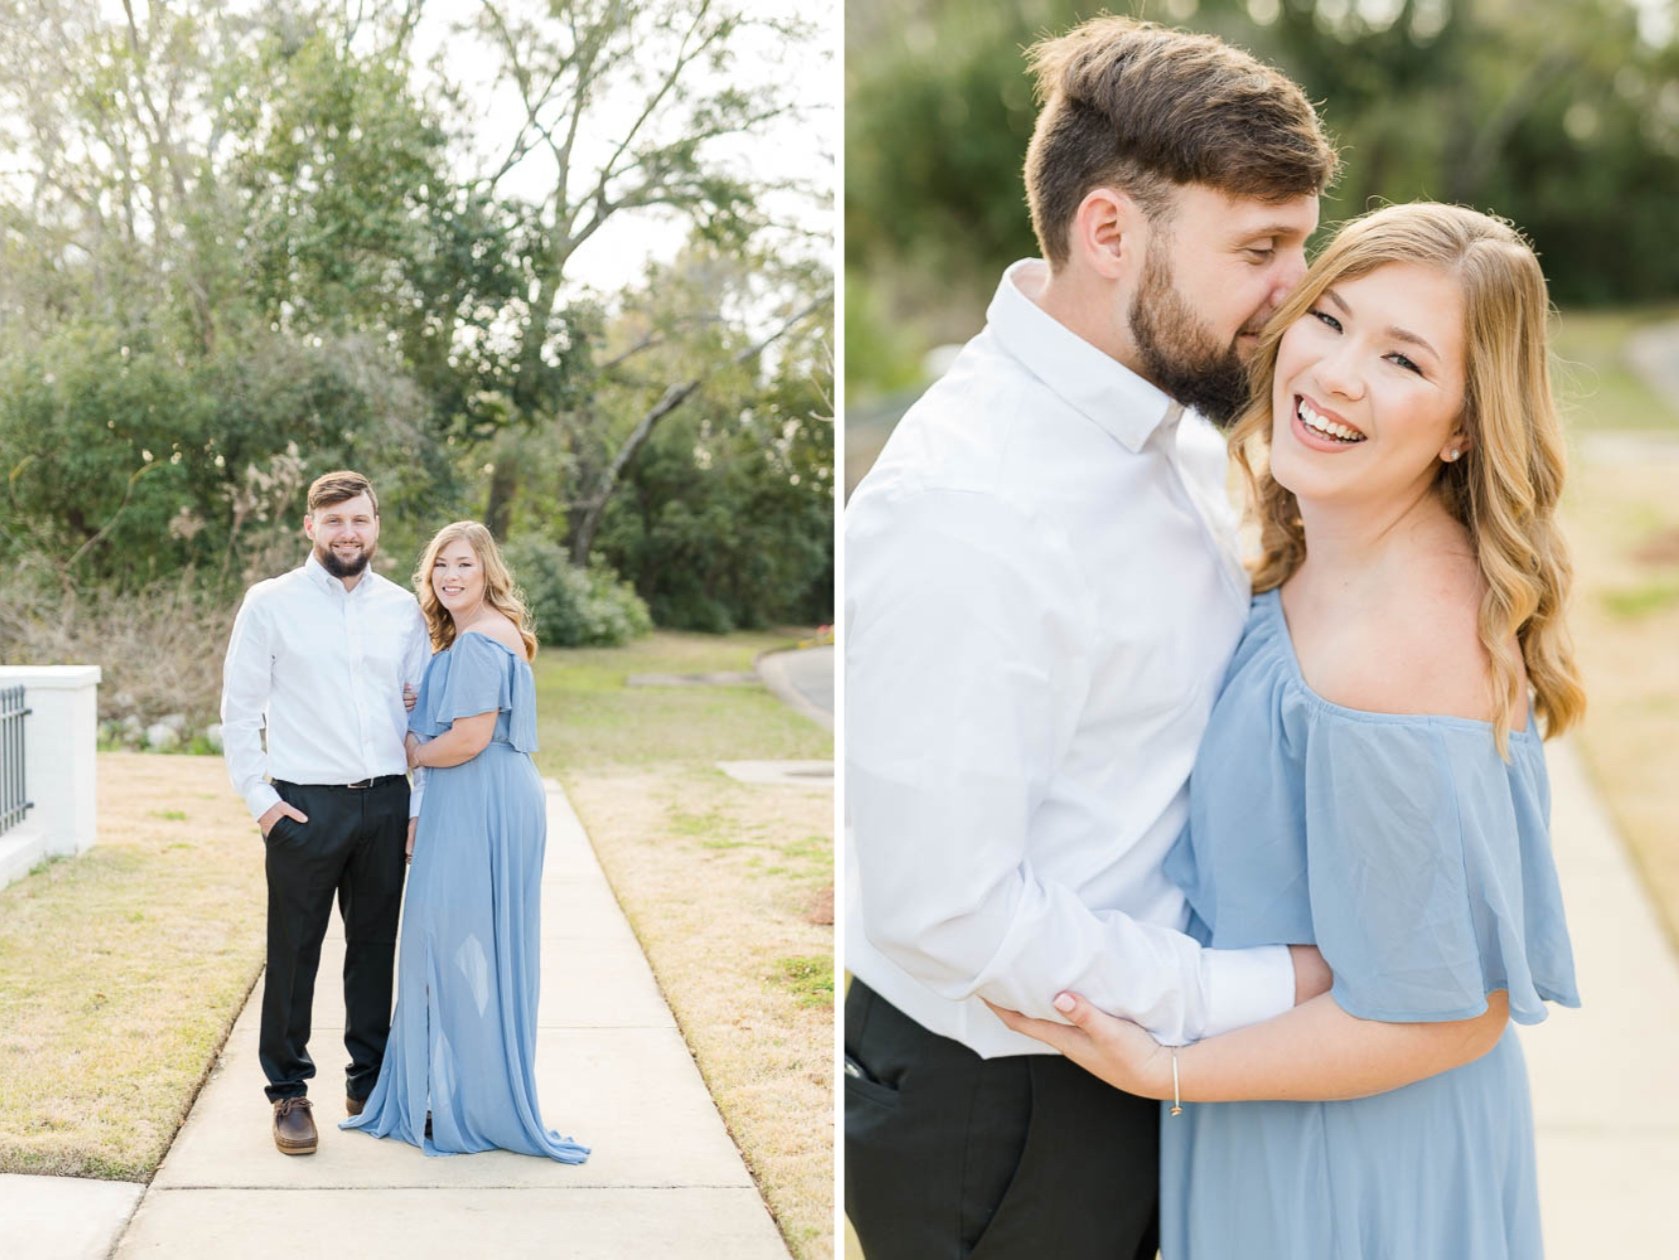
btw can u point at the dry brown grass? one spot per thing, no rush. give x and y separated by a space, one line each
159 650
121 971
718 879
1623 518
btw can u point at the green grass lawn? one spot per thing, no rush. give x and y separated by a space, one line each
1595 386
589 718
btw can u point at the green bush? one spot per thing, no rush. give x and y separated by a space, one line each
725 519
575 607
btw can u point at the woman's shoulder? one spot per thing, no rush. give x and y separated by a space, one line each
498 628
1415 650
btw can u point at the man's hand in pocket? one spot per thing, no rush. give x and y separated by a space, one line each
275 813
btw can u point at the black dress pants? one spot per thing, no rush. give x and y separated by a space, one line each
352 846
950 1155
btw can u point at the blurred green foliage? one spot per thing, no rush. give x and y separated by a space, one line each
1562 115
574 607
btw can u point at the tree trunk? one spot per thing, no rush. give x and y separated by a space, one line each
583 533
504 489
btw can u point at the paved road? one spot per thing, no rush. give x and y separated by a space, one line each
1654 354
804 679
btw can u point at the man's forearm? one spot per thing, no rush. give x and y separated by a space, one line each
247 765
1024 940
246 685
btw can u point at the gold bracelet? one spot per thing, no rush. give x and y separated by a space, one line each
1177 1102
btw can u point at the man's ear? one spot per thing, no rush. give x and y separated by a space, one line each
309 526
1107 233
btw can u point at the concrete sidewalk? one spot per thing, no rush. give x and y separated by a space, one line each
1606 1077
612 1069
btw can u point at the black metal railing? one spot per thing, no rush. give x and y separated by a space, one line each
14 796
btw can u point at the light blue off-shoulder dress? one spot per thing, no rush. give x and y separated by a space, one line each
1419 863
463 1038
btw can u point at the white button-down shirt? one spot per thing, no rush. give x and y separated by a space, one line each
322 669
1042 591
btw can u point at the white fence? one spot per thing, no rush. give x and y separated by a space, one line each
57 750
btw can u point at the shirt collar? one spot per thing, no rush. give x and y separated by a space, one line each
1093 383
316 572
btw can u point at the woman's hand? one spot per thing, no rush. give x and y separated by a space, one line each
409 696
1115 1050
412 744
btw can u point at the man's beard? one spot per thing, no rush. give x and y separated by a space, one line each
1178 353
342 568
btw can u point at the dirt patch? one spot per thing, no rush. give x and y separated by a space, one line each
822 908
718 879
1661 548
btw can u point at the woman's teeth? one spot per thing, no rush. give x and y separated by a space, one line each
1328 428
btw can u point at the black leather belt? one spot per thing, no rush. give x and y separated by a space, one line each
359 786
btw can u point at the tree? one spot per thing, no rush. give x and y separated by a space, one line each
726 515
629 107
240 246
674 396
216 226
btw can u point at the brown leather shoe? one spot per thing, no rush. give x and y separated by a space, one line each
294 1127
354 1105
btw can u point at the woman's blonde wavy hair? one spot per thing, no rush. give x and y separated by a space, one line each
1504 489
499 591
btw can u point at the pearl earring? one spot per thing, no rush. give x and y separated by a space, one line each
1451 455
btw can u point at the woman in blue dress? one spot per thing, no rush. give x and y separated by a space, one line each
1372 778
459 1070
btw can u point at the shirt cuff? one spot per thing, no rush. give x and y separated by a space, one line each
260 799
1246 986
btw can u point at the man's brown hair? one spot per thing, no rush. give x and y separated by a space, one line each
340 487
1142 107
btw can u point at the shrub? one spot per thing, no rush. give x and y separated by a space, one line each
575 607
159 648
726 520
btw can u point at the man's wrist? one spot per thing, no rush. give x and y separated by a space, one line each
1245 986
260 799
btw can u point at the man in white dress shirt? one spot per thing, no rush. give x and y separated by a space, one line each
1042 591
318 659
